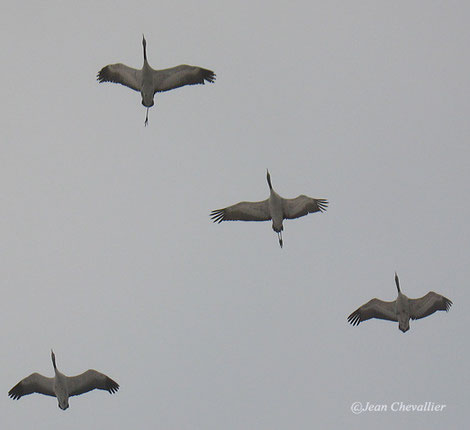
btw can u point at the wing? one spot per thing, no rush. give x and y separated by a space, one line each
90 380
34 383
302 205
175 77
243 211
428 304
374 308
121 74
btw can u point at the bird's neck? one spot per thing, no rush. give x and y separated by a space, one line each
145 53
397 282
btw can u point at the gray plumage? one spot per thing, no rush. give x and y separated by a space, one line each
275 208
149 81
402 309
61 386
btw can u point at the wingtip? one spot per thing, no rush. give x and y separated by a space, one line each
217 215
15 393
209 76
355 318
99 75
113 386
323 205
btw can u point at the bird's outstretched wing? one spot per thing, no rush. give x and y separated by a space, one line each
374 308
243 211
90 380
121 74
302 205
34 383
175 77
428 304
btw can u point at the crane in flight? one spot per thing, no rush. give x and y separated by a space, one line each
402 309
275 208
61 386
149 81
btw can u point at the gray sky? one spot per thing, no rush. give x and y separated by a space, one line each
108 254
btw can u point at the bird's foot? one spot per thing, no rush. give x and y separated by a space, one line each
146 118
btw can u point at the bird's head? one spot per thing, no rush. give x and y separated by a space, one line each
144 44
268 177
397 282
53 359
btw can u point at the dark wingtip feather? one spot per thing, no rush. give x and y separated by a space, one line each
322 204
208 75
111 386
354 318
217 215
102 74
16 392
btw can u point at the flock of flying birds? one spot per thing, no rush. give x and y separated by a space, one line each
148 81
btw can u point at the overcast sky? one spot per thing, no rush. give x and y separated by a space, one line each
108 254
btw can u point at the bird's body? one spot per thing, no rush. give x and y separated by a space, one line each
402 309
146 90
62 386
149 81
275 208
403 312
61 389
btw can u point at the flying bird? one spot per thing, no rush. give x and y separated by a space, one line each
401 309
149 81
275 208
61 386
